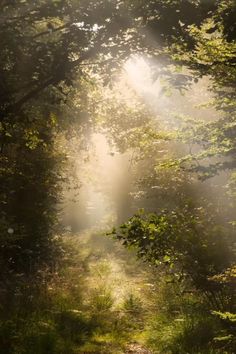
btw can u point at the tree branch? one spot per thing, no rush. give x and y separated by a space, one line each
53 80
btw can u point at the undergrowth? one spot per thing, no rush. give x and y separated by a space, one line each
78 310
183 323
101 300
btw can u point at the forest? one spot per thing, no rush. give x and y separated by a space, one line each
118 177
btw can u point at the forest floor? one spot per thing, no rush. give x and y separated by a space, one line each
115 293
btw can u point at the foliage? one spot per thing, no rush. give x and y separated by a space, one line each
133 305
51 55
182 322
179 238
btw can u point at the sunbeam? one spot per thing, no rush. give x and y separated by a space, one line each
139 77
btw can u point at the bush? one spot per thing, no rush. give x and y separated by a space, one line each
182 323
133 305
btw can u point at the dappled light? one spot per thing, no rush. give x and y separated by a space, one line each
117 177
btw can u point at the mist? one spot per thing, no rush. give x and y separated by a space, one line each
110 179
117 177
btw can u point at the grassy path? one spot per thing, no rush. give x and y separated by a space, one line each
106 292
115 294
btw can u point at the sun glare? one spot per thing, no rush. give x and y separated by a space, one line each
138 74
139 77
